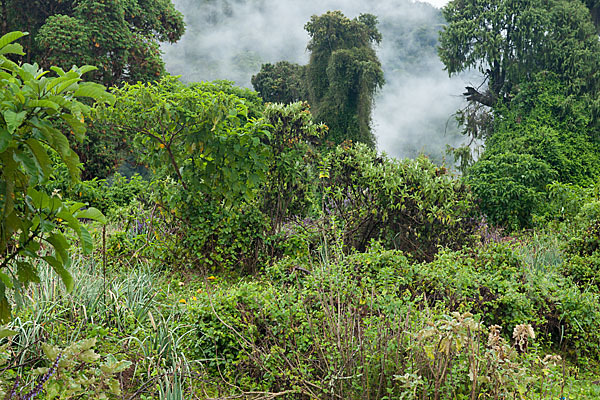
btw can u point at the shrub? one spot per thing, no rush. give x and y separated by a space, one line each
410 205
511 187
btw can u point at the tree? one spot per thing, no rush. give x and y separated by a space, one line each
121 37
509 41
209 157
282 82
543 135
343 74
201 138
33 106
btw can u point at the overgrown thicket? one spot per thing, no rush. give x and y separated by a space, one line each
257 259
536 116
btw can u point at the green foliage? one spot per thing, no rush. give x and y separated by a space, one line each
542 136
511 41
511 187
208 156
410 205
542 120
582 249
201 138
282 82
289 188
120 37
372 323
248 97
343 74
79 371
33 105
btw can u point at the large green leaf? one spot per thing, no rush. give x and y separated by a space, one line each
60 244
95 91
4 333
87 243
41 156
29 164
39 200
13 119
43 103
70 220
60 269
91 213
12 48
76 125
11 37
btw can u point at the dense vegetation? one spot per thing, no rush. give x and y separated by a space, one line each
340 80
267 252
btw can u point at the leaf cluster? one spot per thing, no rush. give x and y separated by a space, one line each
31 221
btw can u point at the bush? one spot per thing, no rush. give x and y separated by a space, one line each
410 205
510 187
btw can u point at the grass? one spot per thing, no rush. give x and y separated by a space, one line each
356 334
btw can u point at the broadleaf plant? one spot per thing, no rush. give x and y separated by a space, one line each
38 111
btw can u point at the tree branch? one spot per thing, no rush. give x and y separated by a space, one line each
487 98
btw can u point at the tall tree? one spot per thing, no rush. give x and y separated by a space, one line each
343 74
121 37
509 41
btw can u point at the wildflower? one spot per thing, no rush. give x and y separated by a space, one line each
211 278
199 291
182 301
194 298
38 388
181 283
162 146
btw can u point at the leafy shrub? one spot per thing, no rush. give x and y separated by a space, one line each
510 187
582 250
410 205
289 190
34 105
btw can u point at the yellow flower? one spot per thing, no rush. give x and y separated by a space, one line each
194 298
182 301
211 278
162 146
199 291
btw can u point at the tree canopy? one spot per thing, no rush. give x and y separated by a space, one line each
340 80
121 38
509 41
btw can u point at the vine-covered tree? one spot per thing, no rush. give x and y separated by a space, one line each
121 37
343 74
340 80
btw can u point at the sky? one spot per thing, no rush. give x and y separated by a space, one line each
437 3
230 39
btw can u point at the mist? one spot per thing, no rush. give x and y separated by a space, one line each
413 113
